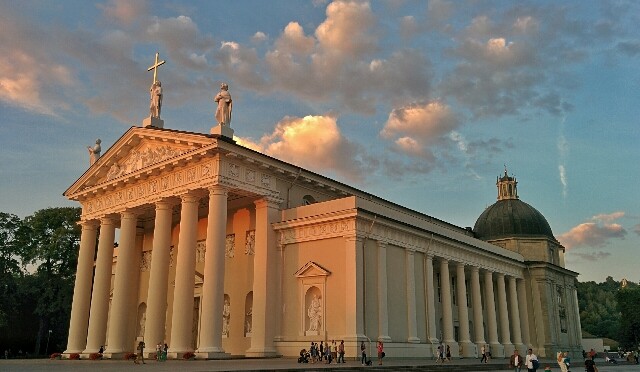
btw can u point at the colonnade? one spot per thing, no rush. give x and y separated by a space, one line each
498 311
91 313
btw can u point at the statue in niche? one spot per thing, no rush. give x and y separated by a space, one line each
225 105
226 314
155 98
314 313
247 324
94 152
143 322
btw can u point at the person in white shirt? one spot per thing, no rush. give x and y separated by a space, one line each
531 361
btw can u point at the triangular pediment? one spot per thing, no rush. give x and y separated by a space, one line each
140 149
311 269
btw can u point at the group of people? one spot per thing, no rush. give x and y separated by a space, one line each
363 353
327 352
444 354
530 361
161 352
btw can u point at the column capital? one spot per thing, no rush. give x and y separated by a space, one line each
89 224
107 220
443 261
475 269
268 201
189 198
382 244
500 276
218 190
129 214
460 264
353 237
164 204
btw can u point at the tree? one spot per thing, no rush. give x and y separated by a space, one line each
49 241
628 303
10 268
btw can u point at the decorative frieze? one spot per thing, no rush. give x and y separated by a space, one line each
201 247
144 190
143 158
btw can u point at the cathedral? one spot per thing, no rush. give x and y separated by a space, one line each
224 251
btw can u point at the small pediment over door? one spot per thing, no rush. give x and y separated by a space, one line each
311 270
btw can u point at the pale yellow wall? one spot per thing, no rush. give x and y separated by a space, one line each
397 293
370 272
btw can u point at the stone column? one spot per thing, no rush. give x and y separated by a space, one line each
432 334
468 349
476 300
524 312
82 289
412 320
447 307
264 279
182 317
383 308
515 315
492 327
101 286
213 286
354 290
122 309
539 339
158 277
504 316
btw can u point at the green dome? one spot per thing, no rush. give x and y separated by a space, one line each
509 218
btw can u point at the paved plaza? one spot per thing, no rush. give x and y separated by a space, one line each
276 364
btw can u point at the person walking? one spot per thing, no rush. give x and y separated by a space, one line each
590 365
334 351
562 363
380 348
341 352
483 352
516 361
440 358
448 353
531 361
140 357
363 352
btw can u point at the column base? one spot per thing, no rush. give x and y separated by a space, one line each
496 350
386 339
261 353
508 349
355 338
453 345
411 340
114 355
522 348
468 349
212 355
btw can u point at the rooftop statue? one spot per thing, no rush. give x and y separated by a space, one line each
225 105
94 152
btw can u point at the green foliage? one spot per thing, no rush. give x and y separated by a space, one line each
602 314
38 262
628 303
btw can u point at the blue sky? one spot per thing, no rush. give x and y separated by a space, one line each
419 102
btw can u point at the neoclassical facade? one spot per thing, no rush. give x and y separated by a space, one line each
225 251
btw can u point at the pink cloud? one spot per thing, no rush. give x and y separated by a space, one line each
316 143
594 234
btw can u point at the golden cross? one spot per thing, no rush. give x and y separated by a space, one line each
155 68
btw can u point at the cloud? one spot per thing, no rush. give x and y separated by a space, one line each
30 76
259 37
348 29
425 122
594 256
630 48
316 143
124 11
596 233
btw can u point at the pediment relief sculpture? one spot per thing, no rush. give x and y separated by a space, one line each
141 158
